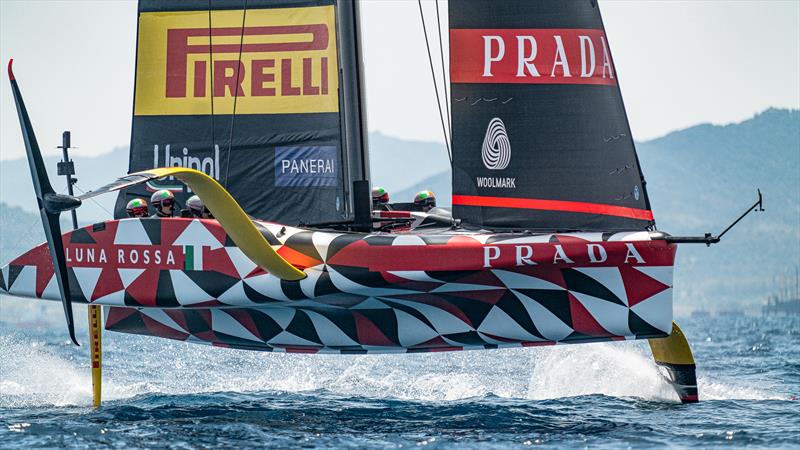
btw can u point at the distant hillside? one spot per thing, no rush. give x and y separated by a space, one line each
399 165
19 231
16 188
701 178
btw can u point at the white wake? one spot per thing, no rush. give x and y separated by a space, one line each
32 373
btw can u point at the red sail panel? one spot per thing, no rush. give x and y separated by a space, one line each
531 56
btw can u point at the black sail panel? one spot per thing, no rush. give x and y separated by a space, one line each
247 91
541 140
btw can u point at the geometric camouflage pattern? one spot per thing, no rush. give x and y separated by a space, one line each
433 290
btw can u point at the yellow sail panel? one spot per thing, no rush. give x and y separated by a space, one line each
285 59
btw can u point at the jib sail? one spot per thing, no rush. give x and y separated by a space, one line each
250 92
540 135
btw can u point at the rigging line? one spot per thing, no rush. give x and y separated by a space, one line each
235 97
435 84
444 73
93 199
211 70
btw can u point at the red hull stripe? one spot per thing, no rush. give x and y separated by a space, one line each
553 205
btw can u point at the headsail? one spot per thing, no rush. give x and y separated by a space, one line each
249 92
540 135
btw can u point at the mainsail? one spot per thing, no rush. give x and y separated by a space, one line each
541 140
256 93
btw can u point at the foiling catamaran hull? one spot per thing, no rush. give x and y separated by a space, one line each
364 293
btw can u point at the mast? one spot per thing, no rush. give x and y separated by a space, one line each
354 114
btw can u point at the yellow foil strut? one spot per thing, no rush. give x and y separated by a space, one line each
96 352
232 218
673 349
675 356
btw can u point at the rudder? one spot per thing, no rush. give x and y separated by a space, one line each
674 354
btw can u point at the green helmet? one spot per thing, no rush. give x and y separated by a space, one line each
380 195
426 199
137 208
161 198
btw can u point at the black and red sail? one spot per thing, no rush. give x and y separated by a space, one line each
257 94
541 140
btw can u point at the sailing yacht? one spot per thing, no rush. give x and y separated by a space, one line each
258 107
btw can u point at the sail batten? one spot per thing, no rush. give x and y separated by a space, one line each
540 135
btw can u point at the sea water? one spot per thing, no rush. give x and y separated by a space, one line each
167 394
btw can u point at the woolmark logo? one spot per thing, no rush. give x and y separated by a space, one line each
496 151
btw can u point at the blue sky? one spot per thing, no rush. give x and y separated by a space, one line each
679 62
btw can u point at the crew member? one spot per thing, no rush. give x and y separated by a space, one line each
164 203
198 208
380 198
425 200
137 208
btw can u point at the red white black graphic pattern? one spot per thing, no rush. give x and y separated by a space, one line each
184 279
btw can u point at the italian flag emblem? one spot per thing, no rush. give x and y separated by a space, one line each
192 257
